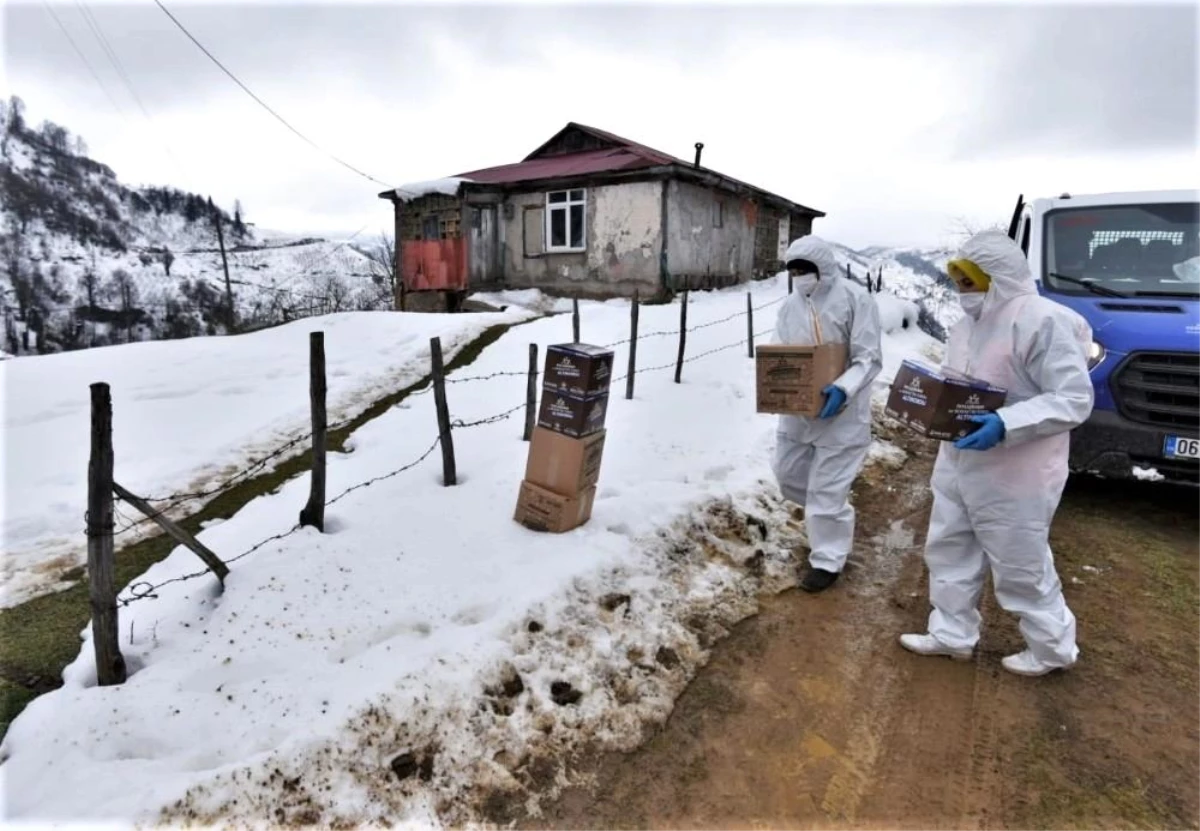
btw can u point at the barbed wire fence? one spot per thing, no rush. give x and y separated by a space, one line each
103 504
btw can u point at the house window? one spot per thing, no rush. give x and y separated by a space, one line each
565 215
718 214
431 229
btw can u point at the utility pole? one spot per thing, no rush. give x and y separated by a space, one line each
216 217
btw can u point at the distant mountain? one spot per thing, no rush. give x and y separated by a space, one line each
912 274
88 261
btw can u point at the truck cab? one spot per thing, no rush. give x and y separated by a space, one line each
1129 263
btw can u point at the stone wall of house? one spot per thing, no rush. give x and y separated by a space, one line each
710 237
623 239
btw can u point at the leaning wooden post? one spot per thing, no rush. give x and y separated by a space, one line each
102 592
749 326
633 338
314 512
682 337
531 392
575 318
215 563
449 469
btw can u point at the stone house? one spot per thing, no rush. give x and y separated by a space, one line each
592 214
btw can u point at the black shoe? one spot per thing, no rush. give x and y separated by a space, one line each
818 580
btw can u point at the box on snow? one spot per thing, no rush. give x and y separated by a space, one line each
577 369
562 464
572 415
789 379
543 510
938 403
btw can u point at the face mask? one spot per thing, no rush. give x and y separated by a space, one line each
972 303
805 283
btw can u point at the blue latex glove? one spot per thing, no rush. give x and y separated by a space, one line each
986 437
835 397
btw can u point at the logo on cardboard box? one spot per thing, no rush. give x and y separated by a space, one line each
560 409
912 393
566 367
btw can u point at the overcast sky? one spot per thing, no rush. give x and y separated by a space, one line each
892 119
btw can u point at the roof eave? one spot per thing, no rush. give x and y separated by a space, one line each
717 180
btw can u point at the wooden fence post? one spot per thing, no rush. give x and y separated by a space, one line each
682 337
102 592
314 512
449 469
531 392
633 339
749 326
575 318
789 282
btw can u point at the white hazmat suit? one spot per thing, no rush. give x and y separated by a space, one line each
994 507
817 460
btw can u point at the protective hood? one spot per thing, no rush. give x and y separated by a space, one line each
1003 261
816 251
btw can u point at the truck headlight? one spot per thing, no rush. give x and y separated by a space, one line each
1096 353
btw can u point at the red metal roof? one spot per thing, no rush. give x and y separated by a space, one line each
570 164
627 155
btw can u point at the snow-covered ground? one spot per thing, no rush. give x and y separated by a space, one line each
187 415
427 648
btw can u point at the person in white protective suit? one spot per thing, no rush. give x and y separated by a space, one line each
816 460
996 490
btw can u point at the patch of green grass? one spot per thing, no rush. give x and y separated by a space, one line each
40 637
13 698
1173 580
1059 800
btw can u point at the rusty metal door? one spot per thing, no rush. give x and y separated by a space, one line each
483 257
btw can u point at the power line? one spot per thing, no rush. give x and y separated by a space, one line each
83 58
262 103
119 68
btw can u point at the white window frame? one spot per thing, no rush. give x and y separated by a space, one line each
565 207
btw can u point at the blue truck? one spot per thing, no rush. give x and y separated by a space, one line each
1129 263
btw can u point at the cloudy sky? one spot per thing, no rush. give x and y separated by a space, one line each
895 120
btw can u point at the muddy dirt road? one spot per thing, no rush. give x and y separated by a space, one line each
810 714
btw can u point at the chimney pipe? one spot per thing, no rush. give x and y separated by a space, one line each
699 147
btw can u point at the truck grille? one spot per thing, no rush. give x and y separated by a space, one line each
1160 388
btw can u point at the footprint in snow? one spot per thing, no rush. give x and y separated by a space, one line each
718 474
473 615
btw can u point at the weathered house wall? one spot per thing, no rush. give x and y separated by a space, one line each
709 236
774 231
432 253
623 239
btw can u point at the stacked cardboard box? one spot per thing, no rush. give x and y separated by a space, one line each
939 404
568 442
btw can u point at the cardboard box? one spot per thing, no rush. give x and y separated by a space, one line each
572 415
544 510
563 464
938 403
577 369
789 379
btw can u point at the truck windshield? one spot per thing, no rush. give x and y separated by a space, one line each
1148 250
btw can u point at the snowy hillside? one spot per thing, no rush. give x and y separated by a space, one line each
187 415
401 666
89 261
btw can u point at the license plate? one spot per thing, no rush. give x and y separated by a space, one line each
1178 447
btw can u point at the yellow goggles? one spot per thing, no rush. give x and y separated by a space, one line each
968 276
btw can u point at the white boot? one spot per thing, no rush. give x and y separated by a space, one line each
929 645
1025 663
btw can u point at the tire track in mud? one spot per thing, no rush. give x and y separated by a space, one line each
793 722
